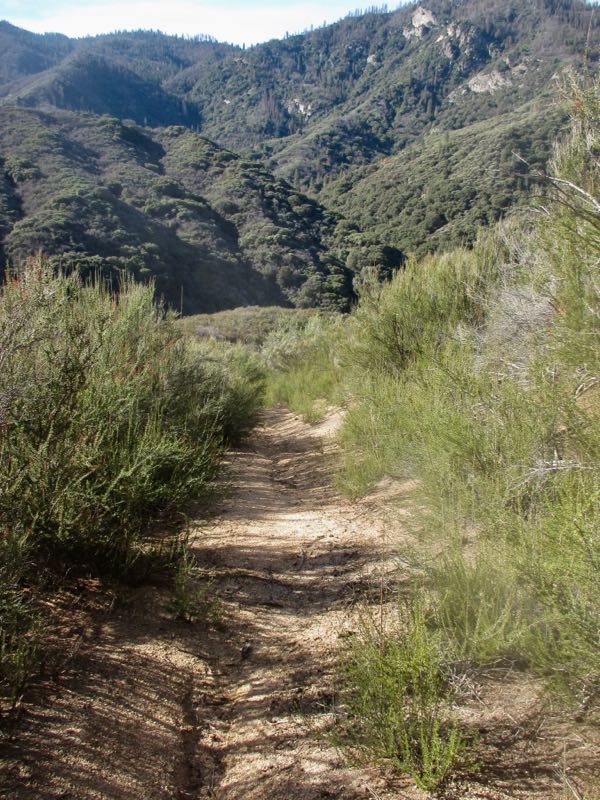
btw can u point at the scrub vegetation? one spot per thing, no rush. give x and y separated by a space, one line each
475 373
272 175
110 419
395 234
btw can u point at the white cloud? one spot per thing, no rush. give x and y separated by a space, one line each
239 25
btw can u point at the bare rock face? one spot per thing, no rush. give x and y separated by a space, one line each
423 18
457 40
297 106
421 22
490 82
485 83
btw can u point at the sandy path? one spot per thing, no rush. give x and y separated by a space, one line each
152 707
294 557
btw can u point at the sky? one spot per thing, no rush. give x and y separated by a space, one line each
237 21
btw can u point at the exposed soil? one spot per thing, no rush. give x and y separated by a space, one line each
150 707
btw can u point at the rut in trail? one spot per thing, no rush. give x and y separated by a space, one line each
156 708
294 557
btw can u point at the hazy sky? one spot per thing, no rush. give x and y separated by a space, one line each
240 21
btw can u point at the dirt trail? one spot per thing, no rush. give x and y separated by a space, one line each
293 556
152 707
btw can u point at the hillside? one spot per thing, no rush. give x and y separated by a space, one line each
403 596
379 78
402 127
213 229
438 191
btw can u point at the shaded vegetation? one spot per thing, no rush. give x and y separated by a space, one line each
109 418
211 229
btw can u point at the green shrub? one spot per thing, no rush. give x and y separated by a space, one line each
397 701
237 376
476 374
109 418
304 370
19 627
192 600
408 319
249 325
478 606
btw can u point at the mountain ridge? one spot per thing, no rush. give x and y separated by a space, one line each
356 131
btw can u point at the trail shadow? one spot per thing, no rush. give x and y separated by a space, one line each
138 712
102 705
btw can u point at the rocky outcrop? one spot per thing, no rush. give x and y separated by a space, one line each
488 83
422 21
297 106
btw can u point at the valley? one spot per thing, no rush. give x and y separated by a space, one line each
275 174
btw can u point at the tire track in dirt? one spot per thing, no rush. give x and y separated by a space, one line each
153 708
291 558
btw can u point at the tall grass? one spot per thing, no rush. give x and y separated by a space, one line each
304 369
477 373
109 419
482 373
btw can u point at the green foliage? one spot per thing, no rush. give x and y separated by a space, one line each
397 701
93 82
109 419
304 371
192 600
482 370
248 325
19 627
410 134
239 377
480 609
438 192
406 320
210 229
475 374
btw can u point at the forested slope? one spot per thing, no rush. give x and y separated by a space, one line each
214 230
406 124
